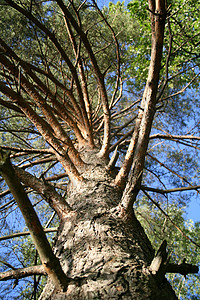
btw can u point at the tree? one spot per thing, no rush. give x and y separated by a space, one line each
64 92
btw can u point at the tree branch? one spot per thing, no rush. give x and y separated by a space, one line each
99 75
26 151
174 137
112 103
178 228
170 170
86 106
54 40
137 149
53 124
181 189
47 191
23 272
18 234
183 89
45 131
49 260
182 269
10 106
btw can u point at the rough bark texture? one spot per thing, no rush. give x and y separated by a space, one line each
104 256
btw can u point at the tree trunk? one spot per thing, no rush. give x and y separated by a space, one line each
103 256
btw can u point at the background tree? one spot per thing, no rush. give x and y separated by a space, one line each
63 114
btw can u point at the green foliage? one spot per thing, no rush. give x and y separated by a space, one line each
182 27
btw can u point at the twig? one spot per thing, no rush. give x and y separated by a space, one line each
178 228
187 188
183 89
14 235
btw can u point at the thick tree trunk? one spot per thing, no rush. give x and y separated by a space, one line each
103 256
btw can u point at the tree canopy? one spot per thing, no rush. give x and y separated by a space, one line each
73 77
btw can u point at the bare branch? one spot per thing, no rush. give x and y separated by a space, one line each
166 215
167 61
181 189
99 75
139 142
183 268
50 262
26 151
7 264
87 106
120 141
113 102
18 234
174 137
170 170
10 106
47 191
183 89
53 124
43 128
8 204
23 272
113 159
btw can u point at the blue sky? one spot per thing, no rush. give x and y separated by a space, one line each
105 2
193 211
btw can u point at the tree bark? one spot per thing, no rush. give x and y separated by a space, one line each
103 256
